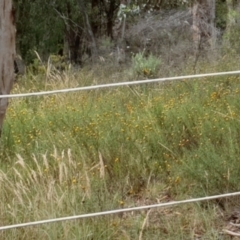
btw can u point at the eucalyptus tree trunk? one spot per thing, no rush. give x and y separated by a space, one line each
7 54
212 22
204 31
89 29
204 23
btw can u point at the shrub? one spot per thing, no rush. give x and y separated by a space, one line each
145 66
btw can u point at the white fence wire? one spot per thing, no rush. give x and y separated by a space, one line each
116 211
119 84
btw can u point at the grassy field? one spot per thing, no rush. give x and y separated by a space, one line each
91 151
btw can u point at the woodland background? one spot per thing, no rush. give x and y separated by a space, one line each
84 32
91 151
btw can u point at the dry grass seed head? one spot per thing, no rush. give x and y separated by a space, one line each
20 161
88 185
45 161
19 196
17 173
33 177
70 161
4 179
55 154
22 188
63 172
48 69
38 166
50 191
63 155
102 166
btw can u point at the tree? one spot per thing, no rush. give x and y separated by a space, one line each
39 28
204 22
204 33
110 8
88 28
232 32
7 55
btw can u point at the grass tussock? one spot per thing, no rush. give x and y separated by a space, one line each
83 152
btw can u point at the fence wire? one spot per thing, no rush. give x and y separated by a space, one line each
119 84
116 211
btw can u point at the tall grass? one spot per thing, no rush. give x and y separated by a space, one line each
91 151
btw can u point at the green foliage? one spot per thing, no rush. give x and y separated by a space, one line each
145 66
58 62
221 15
105 45
52 27
83 152
41 26
92 151
126 10
230 40
36 67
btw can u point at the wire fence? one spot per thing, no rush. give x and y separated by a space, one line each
119 84
116 211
